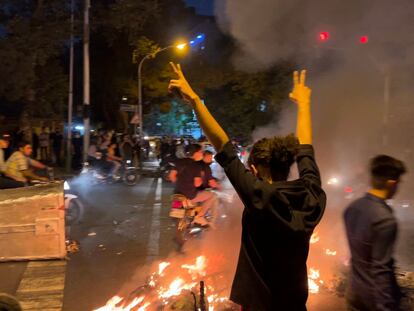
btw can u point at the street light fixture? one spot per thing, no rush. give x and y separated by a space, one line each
138 111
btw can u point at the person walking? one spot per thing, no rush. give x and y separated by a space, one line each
371 229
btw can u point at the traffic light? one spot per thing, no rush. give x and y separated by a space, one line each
363 39
324 36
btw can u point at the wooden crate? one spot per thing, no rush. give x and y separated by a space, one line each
32 223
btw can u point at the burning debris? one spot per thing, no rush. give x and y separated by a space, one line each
176 284
198 284
314 238
176 287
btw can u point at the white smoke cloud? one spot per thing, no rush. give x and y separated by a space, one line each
348 78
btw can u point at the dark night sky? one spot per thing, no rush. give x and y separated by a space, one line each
203 7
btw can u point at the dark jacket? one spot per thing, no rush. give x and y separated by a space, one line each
371 229
187 170
278 221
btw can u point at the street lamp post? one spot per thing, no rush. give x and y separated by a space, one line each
138 109
86 81
70 95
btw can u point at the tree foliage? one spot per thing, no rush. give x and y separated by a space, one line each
34 36
33 63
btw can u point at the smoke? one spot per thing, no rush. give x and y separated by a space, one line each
361 93
269 30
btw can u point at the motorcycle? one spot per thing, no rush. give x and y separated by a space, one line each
74 209
166 165
184 213
128 173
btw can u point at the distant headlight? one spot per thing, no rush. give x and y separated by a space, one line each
333 181
66 186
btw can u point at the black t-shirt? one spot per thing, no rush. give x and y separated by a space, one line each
278 221
56 140
187 170
206 174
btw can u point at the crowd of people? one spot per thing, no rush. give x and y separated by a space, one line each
108 151
279 215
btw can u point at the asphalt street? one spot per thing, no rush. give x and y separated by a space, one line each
125 230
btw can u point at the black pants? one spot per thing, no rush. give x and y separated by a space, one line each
357 302
56 151
8 183
43 153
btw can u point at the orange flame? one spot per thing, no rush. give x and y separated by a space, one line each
313 277
162 266
199 269
330 252
176 287
112 304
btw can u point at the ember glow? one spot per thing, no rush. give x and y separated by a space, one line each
330 252
314 238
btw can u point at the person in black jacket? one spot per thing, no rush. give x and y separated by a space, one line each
279 216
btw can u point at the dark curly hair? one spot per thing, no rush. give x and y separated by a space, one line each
192 148
276 154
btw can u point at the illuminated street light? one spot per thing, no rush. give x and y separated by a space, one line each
333 181
199 38
181 46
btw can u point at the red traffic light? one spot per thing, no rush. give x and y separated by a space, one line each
348 190
363 39
324 36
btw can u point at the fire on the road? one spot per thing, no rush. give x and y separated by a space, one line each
314 278
186 278
171 279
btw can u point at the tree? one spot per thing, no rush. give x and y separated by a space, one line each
32 42
28 43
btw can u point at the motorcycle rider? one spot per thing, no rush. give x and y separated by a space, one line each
209 181
187 176
113 158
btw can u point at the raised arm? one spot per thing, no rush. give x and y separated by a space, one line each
301 95
213 131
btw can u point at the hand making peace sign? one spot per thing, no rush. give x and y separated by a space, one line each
301 93
181 84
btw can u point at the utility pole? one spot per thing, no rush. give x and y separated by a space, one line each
386 108
86 83
70 95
